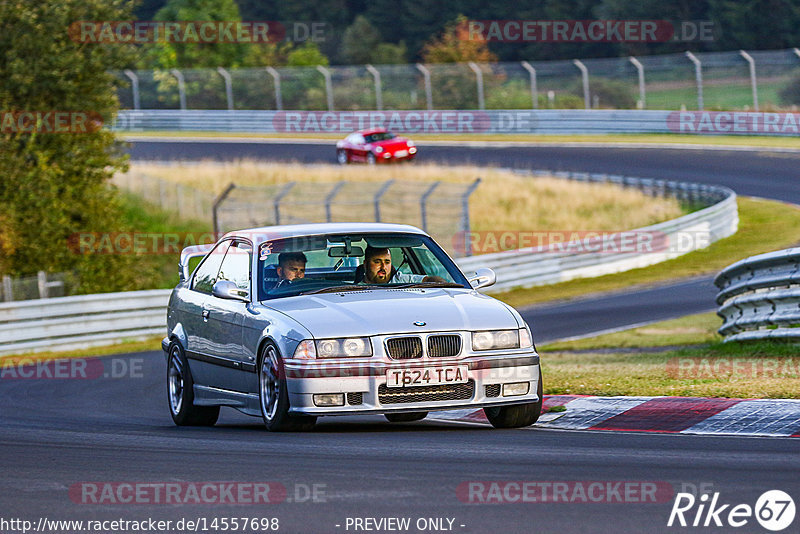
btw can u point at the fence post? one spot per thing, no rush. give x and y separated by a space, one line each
422 204
378 93
428 90
532 72
228 86
640 70
329 199
479 80
8 290
753 81
277 202
181 87
585 77
377 200
41 279
134 88
217 201
328 85
465 224
276 78
698 74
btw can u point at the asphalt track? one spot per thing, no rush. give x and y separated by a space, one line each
58 433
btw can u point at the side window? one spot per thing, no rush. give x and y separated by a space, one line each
236 265
206 274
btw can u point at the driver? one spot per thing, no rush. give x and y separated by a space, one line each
291 266
378 269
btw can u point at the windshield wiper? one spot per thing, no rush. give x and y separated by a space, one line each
340 289
428 284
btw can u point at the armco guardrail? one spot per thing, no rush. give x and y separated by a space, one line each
515 121
759 297
81 321
537 266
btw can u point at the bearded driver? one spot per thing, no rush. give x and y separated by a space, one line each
378 269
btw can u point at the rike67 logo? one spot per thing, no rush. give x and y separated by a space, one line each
774 510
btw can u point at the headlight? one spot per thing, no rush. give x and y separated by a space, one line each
412 150
351 347
410 143
495 339
378 149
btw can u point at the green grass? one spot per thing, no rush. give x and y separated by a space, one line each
764 226
723 140
752 370
692 329
715 97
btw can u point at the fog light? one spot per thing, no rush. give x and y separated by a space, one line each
515 389
387 156
329 399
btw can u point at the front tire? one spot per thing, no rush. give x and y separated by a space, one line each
342 157
273 395
180 392
405 417
519 415
371 159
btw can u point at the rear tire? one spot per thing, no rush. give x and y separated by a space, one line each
519 415
405 417
273 395
180 392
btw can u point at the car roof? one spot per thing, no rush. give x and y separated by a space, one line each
269 233
372 131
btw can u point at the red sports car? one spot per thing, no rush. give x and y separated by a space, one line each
375 146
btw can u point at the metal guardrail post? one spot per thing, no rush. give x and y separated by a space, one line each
753 81
214 207
534 92
426 74
277 201
41 281
377 200
585 77
134 88
640 71
465 224
8 290
378 90
329 199
328 85
479 80
181 87
422 204
276 78
698 74
228 86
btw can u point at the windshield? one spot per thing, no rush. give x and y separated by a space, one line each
382 136
348 262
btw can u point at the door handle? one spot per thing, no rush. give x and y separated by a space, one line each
205 315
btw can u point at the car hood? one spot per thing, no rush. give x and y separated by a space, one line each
394 311
397 143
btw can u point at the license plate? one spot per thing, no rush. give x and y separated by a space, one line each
426 376
401 153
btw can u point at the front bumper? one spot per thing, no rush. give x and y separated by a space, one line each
363 384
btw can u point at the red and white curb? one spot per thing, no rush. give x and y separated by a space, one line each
684 415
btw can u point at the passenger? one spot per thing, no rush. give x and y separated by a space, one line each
378 269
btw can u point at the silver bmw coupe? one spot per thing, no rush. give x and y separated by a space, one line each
294 322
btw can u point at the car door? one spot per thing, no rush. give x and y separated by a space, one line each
225 317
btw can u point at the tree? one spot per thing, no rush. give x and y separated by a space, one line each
53 186
359 41
455 46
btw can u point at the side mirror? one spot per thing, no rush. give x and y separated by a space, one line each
225 289
483 277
